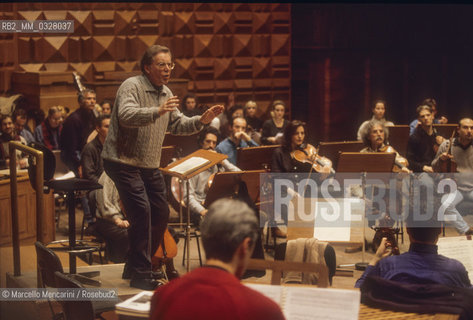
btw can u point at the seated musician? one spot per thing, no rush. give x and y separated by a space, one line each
229 233
294 139
421 264
198 185
379 111
462 154
374 136
237 139
421 144
437 120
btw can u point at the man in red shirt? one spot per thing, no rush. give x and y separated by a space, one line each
229 232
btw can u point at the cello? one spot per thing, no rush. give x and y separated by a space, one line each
166 251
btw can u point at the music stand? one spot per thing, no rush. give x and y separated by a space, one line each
255 158
167 153
333 149
213 158
445 130
224 185
364 163
398 137
185 145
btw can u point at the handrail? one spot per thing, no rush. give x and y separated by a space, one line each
39 159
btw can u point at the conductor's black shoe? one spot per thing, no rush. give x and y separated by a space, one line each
145 284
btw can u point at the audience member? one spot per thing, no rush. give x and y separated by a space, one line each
189 106
238 139
273 128
106 106
8 134
229 233
76 129
48 132
20 119
379 111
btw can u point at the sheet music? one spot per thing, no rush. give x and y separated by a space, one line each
458 248
301 303
271 292
321 303
68 175
191 164
139 304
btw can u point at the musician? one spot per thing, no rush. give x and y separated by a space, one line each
145 109
238 139
273 128
198 185
379 111
374 136
462 154
433 106
421 264
421 144
293 139
229 233
189 106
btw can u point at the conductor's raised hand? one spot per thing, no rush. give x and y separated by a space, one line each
170 105
211 113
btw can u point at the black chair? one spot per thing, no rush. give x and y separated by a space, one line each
70 187
48 263
84 309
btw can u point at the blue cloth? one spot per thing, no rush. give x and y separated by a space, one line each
229 148
421 263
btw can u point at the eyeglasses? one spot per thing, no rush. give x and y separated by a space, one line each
163 65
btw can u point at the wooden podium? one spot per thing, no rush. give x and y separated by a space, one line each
212 159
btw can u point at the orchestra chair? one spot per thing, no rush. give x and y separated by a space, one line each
81 310
70 187
329 257
278 267
48 263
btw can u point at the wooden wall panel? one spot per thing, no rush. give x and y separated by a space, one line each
219 47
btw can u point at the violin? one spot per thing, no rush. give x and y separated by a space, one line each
448 165
307 155
399 162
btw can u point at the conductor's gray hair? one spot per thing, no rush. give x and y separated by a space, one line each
366 130
227 223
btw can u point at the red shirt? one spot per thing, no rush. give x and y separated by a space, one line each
211 293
